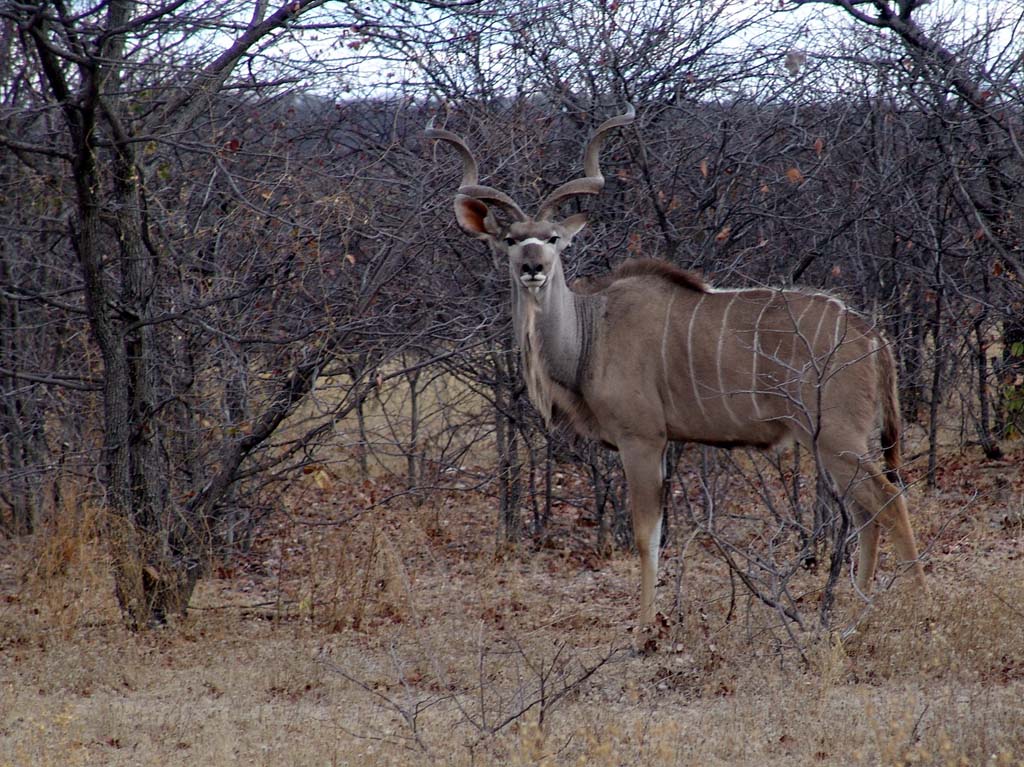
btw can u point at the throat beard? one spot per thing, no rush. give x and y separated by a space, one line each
538 382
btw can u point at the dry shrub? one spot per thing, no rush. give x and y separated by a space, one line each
969 627
354 575
407 636
66 577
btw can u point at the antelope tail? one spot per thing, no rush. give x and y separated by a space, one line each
890 413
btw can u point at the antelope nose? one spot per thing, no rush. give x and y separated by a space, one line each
531 270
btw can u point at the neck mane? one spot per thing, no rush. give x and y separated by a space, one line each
643 267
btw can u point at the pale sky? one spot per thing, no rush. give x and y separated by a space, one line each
960 19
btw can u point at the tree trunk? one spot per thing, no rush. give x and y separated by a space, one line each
362 449
507 407
15 493
412 448
549 467
601 490
152 579
988 445
936 390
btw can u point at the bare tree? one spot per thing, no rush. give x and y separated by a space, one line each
176 228
968 87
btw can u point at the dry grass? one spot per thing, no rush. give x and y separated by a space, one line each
406 636
450 425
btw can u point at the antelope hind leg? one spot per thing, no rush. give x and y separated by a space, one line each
883 506
643 464
896 519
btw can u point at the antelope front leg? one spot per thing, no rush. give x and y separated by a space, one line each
643 464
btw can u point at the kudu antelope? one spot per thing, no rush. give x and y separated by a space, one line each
650 353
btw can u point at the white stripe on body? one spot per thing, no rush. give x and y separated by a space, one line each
817 332
718 362
839 316
737 290
664 351
757 351
689 353
800 333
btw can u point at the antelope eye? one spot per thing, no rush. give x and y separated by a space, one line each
553 240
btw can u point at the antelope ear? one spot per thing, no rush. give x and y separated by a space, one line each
475 218
573 224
